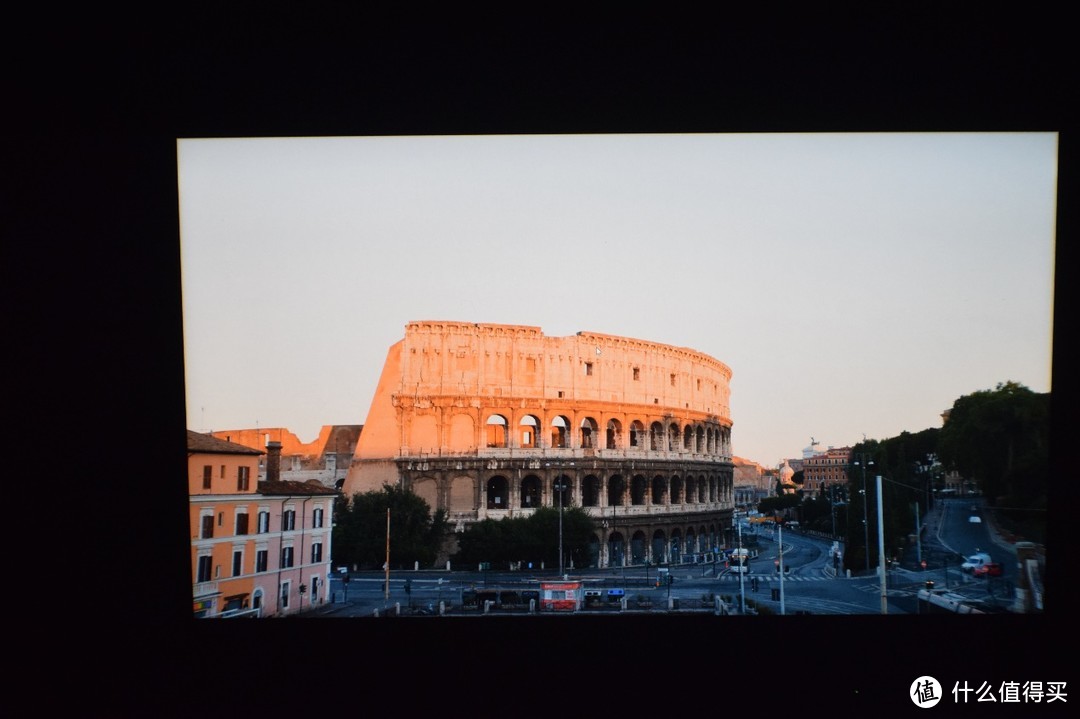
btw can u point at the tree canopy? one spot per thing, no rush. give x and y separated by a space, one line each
534 538
360 529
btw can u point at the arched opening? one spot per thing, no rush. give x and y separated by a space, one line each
530 492
588 433
498 492
656 436
496 431
688 438
676 490
638 487
659 489
562 491
637 434
529 428
673 437
614 434
691 489
590 491
659 545
616 549
637 548
616 489
560 431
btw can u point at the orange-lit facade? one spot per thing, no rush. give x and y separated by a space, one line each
253 544
825 468
491 421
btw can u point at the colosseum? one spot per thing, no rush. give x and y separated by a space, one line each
492 421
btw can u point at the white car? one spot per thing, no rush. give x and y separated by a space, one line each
975 560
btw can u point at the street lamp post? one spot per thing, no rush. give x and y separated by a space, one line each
560 487
866 498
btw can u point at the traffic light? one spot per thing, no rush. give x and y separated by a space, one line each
776 562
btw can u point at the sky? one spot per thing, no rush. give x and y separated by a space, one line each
857 284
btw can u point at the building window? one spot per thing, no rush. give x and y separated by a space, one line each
316 552
207 471
286 557
242 478
237 562
223 471
637 374
285 595
317 518
207 526
288 520
672 380
261 560
588 368
242 523
203 572
264 521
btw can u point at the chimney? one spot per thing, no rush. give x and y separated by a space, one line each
273 461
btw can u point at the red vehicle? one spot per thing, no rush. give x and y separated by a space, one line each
990 569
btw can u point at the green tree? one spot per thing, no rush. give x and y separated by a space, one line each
1000 438
360 529
528 539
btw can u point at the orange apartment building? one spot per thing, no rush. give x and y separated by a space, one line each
492 421
258 548
825 468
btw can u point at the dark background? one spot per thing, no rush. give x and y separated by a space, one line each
99 101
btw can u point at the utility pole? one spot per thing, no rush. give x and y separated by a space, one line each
780 541
881 549
386 581
742 573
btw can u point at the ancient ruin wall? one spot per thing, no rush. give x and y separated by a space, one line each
443 381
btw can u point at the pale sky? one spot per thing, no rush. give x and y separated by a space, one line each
856 284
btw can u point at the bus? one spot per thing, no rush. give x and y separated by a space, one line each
739 560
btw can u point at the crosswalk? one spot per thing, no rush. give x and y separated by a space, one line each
773 578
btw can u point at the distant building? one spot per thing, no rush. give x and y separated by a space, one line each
258 548
326 459
825 468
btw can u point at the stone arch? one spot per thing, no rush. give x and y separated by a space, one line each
637 434
461 430
594 550
691 541
656 437
590 491
462 494
676 490
639 487
427 489
425 434
659 547
589 433
496 431
638 547
688 438
614 434
560 432
675 546
691 489
497 492
562 491
700 443
529 432
616 549
659 489
531 493
673 437
616 489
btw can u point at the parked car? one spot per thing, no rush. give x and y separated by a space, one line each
989 569
975 560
